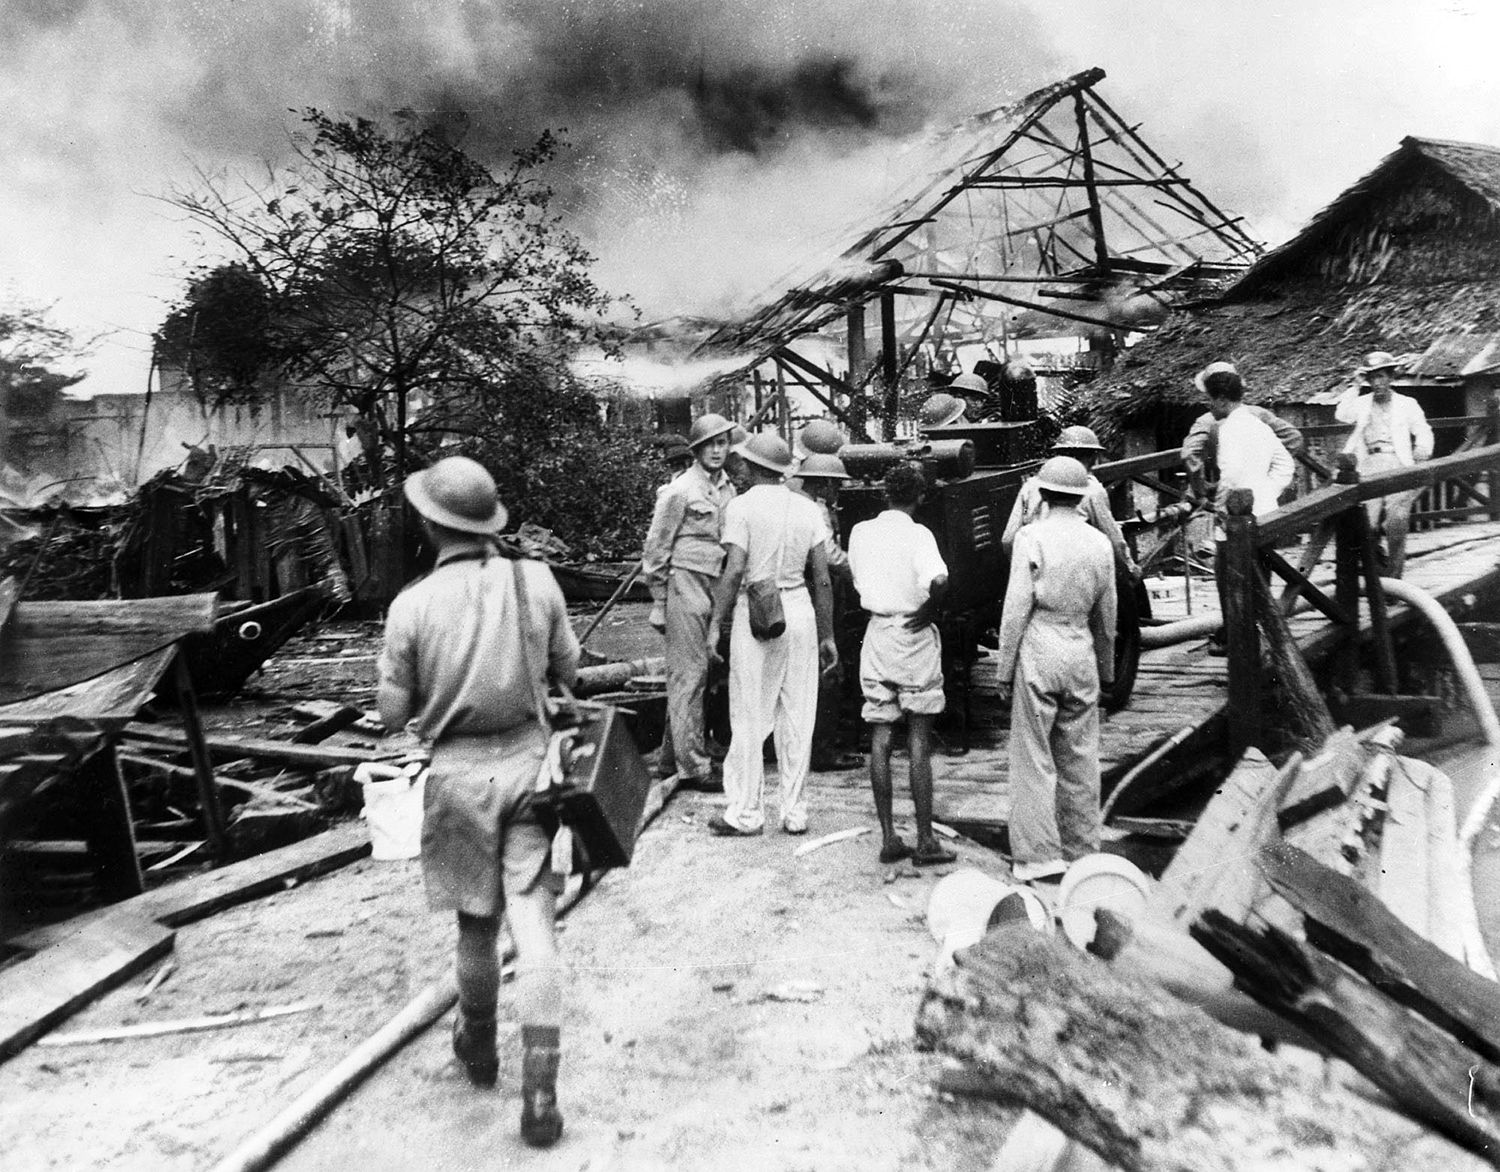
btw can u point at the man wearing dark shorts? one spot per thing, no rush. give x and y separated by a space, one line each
464 662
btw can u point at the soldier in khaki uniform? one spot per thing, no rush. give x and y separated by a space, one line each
1057 635
681 563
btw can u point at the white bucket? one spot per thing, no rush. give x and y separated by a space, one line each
1096 881
965 905
393 809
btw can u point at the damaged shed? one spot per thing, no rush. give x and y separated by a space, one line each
1405 260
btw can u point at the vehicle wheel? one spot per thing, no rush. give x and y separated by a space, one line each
1132 606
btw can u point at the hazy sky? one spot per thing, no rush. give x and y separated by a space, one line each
711 139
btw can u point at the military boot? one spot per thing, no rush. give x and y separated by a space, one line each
541 1121
474 1046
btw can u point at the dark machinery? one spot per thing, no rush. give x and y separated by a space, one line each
976 471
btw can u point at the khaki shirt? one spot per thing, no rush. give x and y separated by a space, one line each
686 527
453 641
1060 602
1094 508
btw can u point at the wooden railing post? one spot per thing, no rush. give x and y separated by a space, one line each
1241 635
1492 436
1349 535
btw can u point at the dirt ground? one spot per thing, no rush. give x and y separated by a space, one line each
729 1006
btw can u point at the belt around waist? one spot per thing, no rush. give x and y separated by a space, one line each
783 589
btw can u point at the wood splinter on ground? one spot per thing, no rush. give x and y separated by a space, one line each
192 1025
807 848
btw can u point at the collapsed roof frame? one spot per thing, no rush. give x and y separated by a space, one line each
1047 206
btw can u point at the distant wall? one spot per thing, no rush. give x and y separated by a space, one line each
129 438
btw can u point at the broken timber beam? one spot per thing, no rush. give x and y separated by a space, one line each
229 748
1149 1083
1348 922
1428 1072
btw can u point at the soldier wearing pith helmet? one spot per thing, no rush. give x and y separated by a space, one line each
1081 444
467 652
681 563
1056 648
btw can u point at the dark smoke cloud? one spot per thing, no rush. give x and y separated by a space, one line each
702 134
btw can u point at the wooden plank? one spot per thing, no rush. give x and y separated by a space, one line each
1347 921
108 699
202 895
39 992
1405 869
223 748
170 617
1215 867
1424 1069
1324 780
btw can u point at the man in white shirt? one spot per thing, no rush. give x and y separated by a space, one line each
1390 431
901 578
771 533
1249 453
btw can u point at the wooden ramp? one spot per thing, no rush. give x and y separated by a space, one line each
1177 687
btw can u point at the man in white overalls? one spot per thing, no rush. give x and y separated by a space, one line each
1056 647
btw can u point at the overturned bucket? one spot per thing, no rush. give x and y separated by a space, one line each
393 808
968 903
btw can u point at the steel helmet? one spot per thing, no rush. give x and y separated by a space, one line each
706 427
1063 474
1077 439
823 464
940 410
821 437
457 493
1379 360
974 384
768 450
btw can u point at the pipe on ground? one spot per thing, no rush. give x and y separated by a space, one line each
1182 631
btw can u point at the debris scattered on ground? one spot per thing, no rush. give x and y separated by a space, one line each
807 848
153 1029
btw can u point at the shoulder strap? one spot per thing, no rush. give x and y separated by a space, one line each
523 619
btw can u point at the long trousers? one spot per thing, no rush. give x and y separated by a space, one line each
773 691
689 606
1054 755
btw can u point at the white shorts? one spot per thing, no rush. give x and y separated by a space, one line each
900 670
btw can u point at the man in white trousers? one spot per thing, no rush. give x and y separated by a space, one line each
1390 431
771 532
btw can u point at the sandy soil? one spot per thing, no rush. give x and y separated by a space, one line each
680 1050
729 1006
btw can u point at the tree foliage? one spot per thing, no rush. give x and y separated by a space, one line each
399 273
32 348
221 336
555 460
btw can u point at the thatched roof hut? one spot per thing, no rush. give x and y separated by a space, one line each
1406 260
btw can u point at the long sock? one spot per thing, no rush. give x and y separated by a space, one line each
540 1048
478 965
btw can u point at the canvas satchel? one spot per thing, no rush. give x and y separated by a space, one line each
763 596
